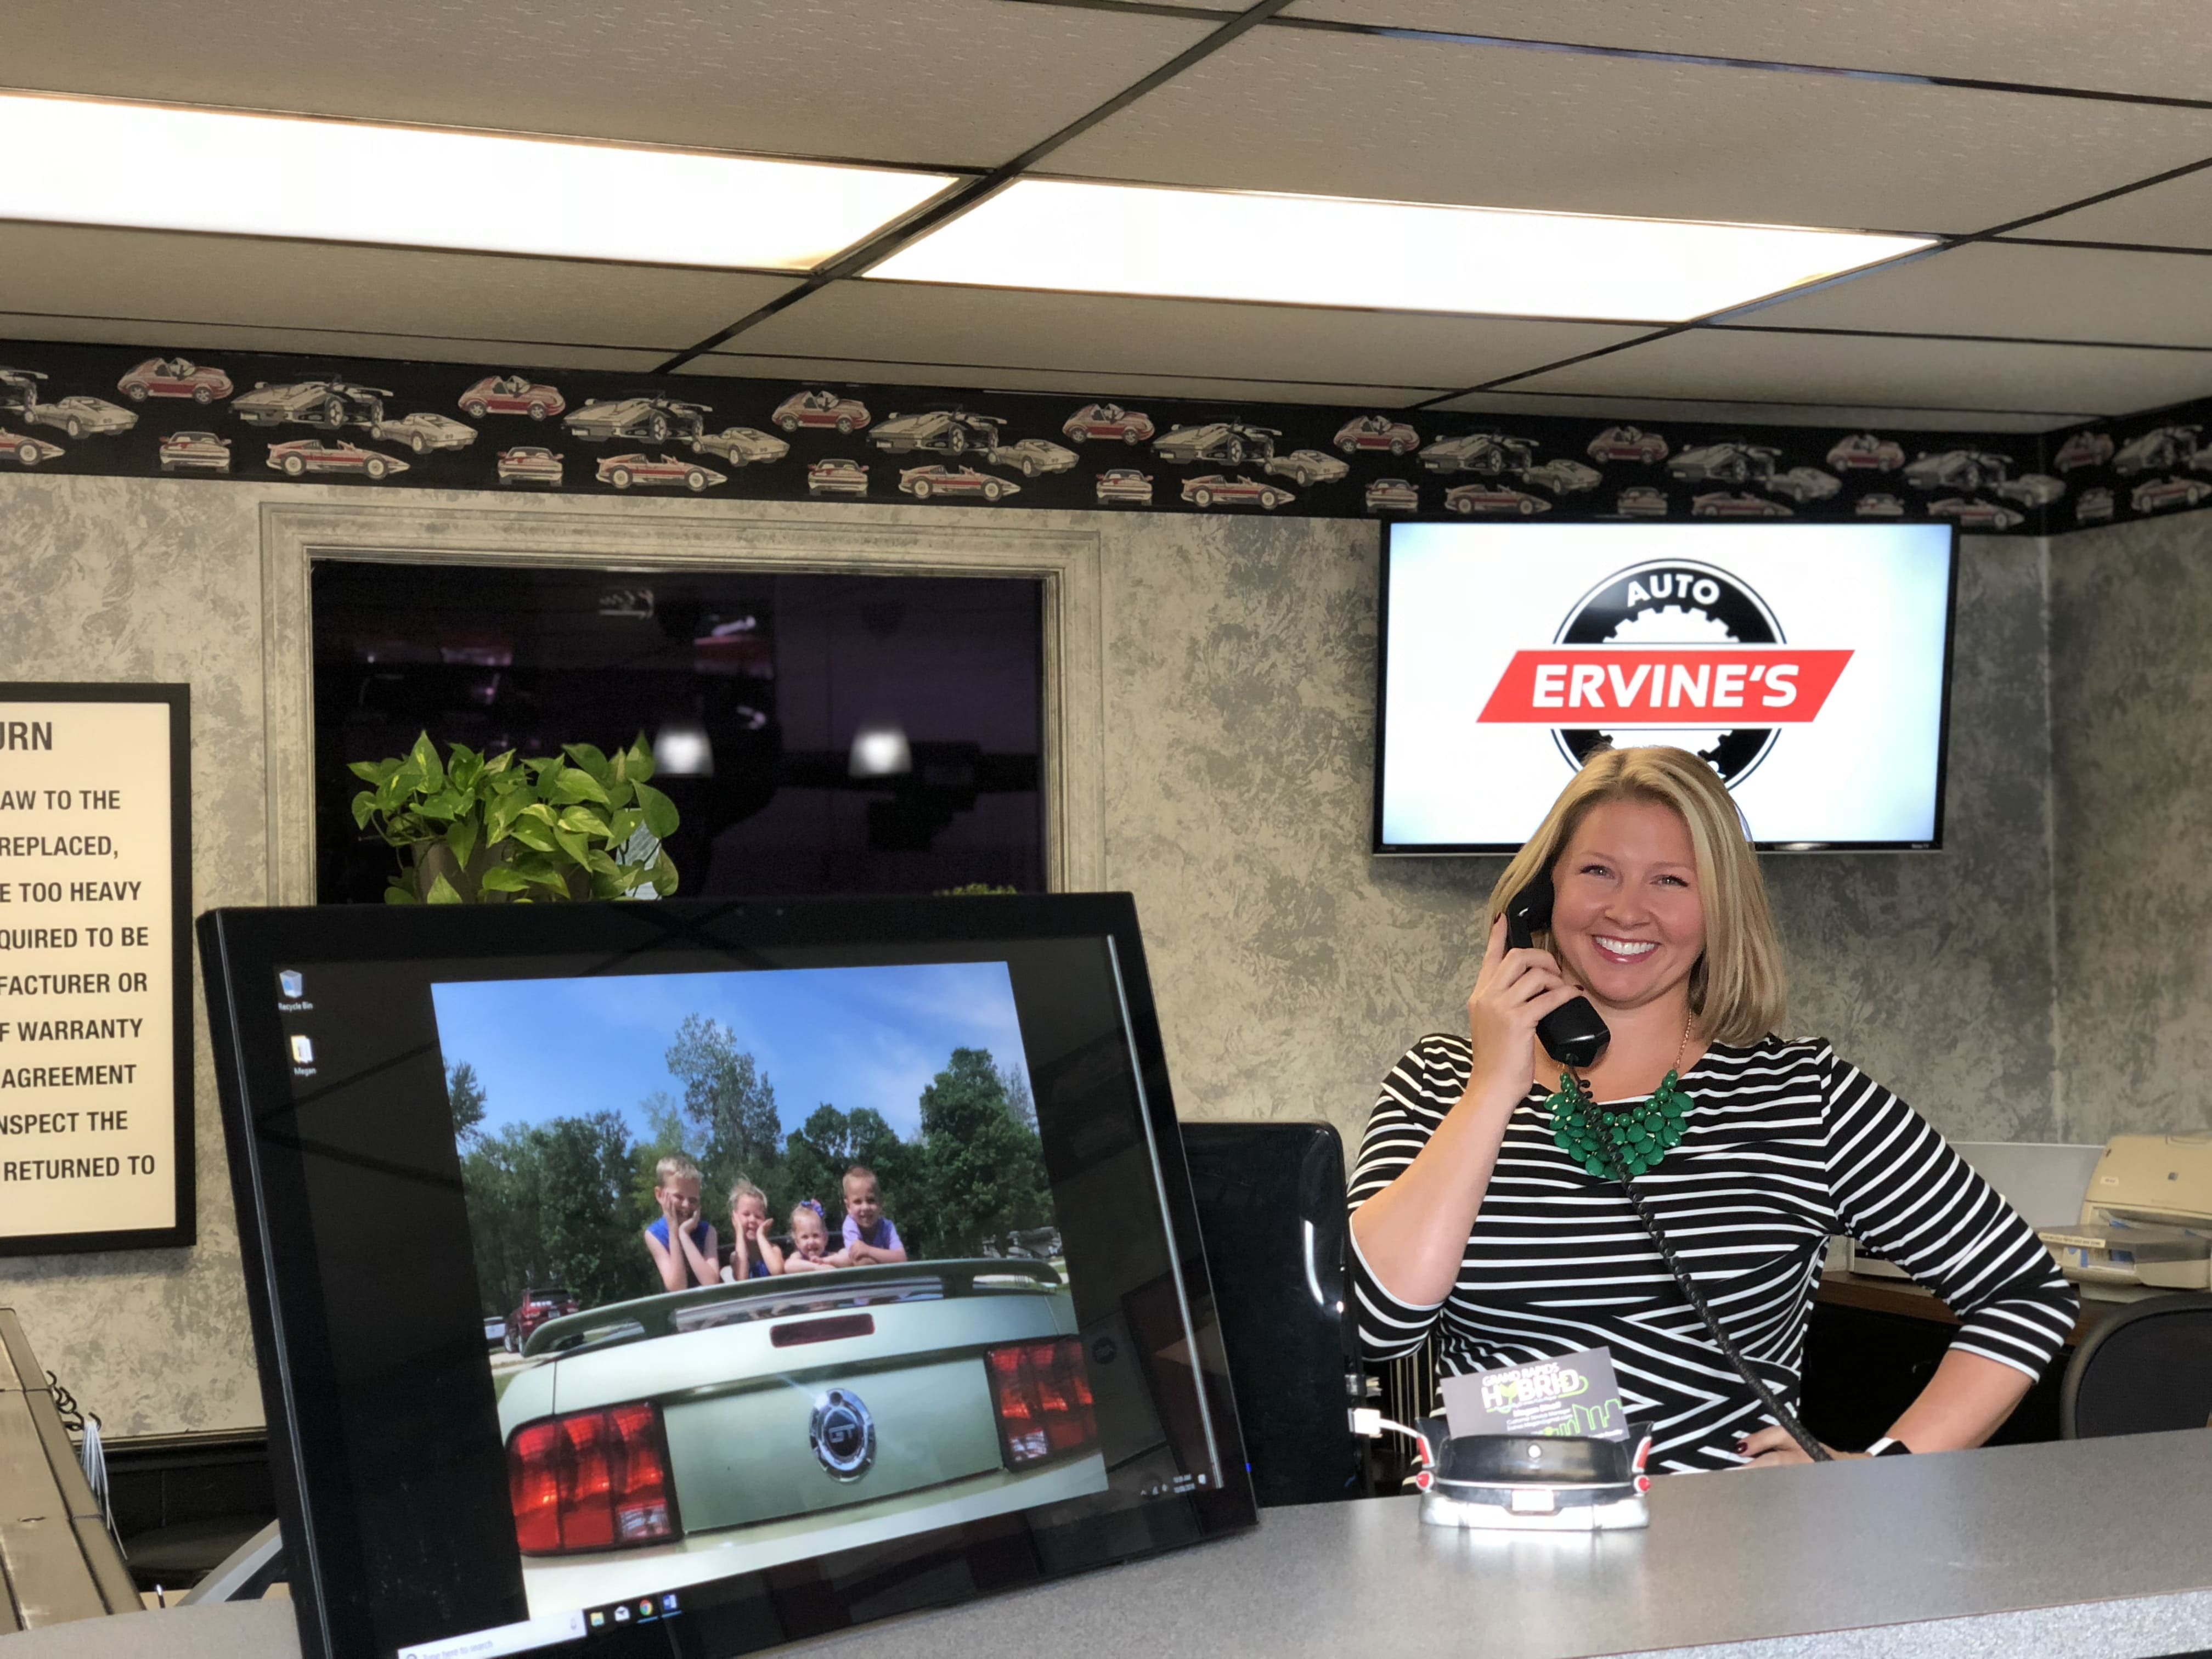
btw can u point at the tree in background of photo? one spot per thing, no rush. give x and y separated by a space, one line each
817 1154
726 1099
982 1167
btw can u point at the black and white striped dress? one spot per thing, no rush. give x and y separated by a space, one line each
1786 1144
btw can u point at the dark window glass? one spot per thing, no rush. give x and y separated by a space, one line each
820 735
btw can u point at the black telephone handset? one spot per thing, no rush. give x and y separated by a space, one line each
1573 1033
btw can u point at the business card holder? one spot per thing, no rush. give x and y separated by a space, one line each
1533 1483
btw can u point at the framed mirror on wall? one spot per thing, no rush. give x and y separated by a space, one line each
834 706
818 732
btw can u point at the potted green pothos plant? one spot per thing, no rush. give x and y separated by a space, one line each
478 830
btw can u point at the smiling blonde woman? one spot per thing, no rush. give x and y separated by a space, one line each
1477 1217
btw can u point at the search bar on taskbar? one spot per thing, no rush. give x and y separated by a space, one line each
503 1639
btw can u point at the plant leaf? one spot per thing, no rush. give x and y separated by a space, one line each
396 894
573 845
599 863
623 825
543 874
446 804
423 757
463 768
499 763
462 838
663 873
443 893
364 807
504 879
589 758
637 760
660 814
373 771
533 835
573 786
584 822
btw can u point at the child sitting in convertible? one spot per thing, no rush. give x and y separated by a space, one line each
753 1253
682 1240
810 1241
869 1235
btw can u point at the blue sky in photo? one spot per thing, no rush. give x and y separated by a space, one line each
853 1036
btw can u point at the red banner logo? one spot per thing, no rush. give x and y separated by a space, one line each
1613 686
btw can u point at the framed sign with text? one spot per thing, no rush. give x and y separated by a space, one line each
95 967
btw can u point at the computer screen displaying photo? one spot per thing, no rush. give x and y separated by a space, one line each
742 1272
1807 663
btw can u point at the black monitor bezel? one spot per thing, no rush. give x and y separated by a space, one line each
1381 849
240 950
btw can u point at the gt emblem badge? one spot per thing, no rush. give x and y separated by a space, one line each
842 1434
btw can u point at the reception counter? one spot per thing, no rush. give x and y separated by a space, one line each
2095 1549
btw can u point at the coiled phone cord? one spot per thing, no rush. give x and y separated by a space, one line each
1781 1413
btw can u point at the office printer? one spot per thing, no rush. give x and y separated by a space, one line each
2146 1218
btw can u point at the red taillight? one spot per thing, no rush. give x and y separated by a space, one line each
1042 1395
590 1480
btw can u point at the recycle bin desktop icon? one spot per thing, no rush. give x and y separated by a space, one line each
291 981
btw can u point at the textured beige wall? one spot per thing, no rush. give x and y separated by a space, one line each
2132 789
1291 966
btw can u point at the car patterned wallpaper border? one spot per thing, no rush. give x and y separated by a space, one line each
393 425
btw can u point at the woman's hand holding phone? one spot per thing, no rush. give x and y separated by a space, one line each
1514 989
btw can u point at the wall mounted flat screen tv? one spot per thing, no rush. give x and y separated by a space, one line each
578 1331
1809 665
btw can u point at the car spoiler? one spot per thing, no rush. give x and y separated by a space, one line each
676 1311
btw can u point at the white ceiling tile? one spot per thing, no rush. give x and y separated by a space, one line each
1993 288
1074 382
936 81
78 271
1354 115
2158 47
1021 328
2176 214
1866 370
317 343
1605 408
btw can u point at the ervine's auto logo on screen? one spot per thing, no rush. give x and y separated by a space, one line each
1672 645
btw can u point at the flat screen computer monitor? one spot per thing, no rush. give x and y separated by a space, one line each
525 1391
1807 663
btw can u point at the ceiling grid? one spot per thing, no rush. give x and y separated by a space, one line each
2061 154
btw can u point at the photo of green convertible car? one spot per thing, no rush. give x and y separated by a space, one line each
676 1438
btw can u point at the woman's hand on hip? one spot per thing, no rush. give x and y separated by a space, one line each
1512 992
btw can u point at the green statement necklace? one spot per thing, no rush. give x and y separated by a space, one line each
1627 1139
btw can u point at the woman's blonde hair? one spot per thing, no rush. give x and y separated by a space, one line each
1738 993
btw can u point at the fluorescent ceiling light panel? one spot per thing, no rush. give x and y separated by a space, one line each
1388 256
80 161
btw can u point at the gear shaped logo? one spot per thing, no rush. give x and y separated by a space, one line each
1676 602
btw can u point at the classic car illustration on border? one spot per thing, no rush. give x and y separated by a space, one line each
1228 442
2156 495
1640 502
741 445
206 451
837 477
1306 467
512 394
940 431
768 1420
2030 490
1381 432
1489 452
1031 456
1729 462
1965 469
1721 504
2093 506
1213 489
1974 514
1392 496
820 409
2083 449
309 403
1562 477
2157 450
27 451
1866 452
1879 505
304 455
924 482
530 464
656 419
76 415
1493 498
422 432
1125 486
1107 421
1803 483
174 377
1627 443
648 472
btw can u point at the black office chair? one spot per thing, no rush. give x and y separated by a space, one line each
1271 1208
2141 1372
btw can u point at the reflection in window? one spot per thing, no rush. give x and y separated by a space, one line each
820 733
